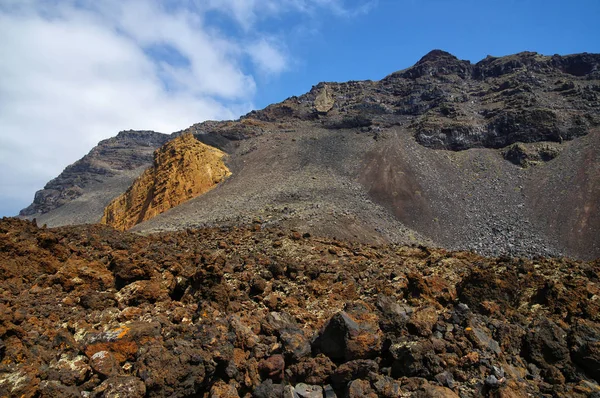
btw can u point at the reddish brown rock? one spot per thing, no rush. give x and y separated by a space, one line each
361 388
351 334
422 321
222 390
104 363
272 367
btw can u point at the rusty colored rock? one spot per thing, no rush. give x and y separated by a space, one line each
272 367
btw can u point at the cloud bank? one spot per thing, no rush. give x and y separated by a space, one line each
74 72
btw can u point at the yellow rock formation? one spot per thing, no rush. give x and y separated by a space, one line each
183 169
324 100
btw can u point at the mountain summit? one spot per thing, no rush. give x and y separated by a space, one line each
500 156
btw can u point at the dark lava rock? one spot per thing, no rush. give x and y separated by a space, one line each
351 334
104 363
546 346
295 344
268 390
360 388
584 341
54 389
122 386
422 321
415 358
312 370
387 387
530 326
357 369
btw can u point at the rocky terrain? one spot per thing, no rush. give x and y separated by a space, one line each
501 157
183 169
89 311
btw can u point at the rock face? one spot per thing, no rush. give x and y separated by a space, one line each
94 312
183 169
128 151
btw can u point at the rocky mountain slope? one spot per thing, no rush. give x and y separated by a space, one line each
82 191
262 312
501 157
183 168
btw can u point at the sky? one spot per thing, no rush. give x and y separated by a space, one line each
74 72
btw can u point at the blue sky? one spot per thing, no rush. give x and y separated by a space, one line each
74 72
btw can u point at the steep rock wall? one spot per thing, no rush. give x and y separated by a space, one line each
183 169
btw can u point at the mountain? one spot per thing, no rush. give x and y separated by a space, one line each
82 191
500 157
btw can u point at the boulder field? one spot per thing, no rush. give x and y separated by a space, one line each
256 311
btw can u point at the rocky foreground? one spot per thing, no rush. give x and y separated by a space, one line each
254 312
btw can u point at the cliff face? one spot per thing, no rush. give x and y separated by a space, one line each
82 191
113 158
183 168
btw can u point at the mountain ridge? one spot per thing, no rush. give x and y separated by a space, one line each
445 151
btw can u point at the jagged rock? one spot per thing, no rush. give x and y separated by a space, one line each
546 345
268 390
360 388
54 389
295 344
584 341
395 315
70 371
414 358
351 334
432 391
445 379
121 386
422 321
480 336
324 100
357 369
387 387
302 390
311 370
104 363
183 169
272 367
222 390
213 338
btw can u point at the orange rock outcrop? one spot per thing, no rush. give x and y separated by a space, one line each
183 169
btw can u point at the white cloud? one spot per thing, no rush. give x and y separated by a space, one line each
267 57
73 72
248 12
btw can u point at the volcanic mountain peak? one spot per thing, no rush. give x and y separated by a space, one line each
182 169
355 160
